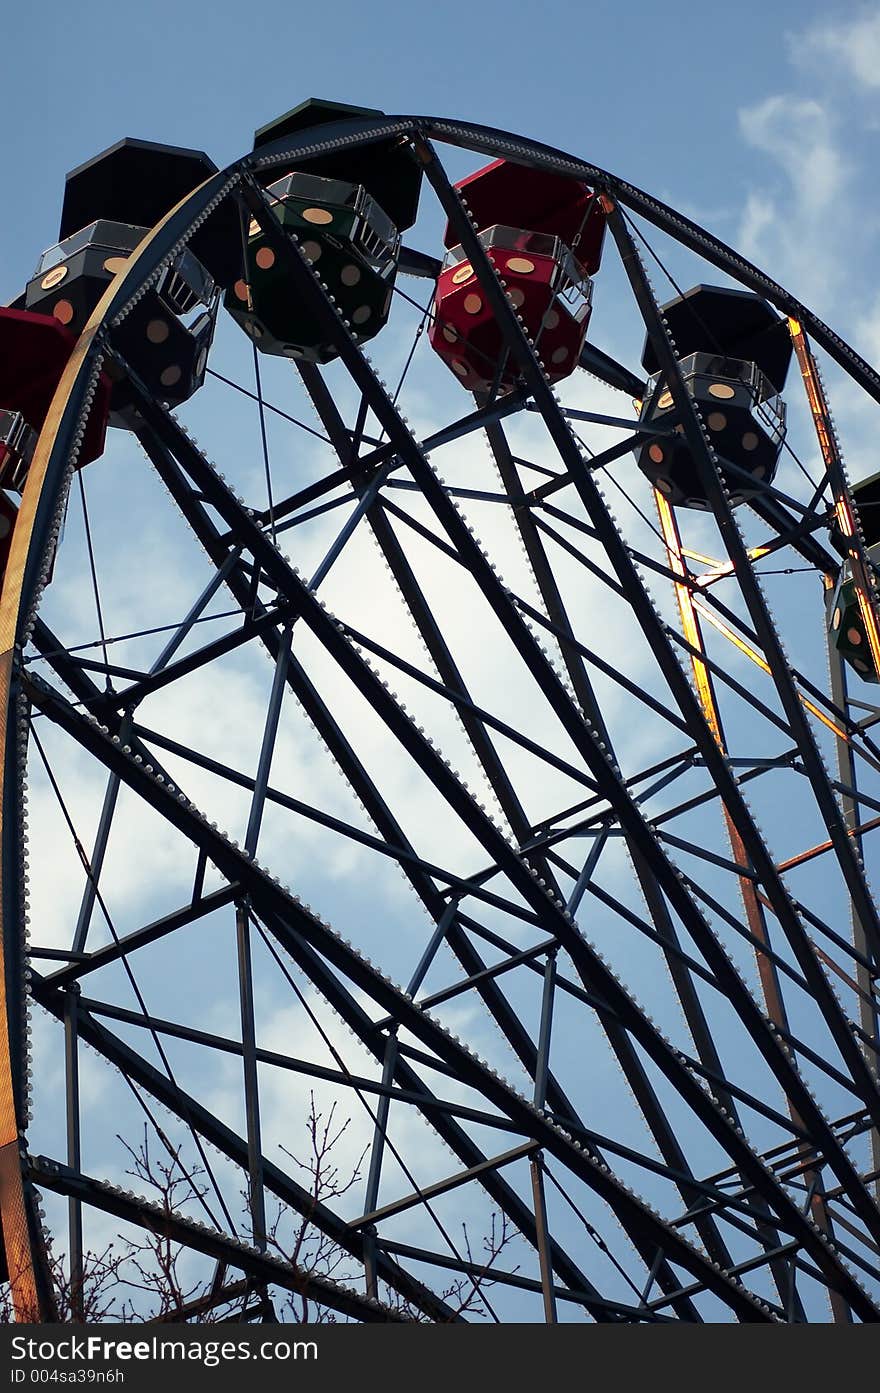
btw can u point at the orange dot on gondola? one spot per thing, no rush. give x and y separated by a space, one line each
53 277
472 304
750 440
241 290
265 258
521 265
853 637
63 311
655 453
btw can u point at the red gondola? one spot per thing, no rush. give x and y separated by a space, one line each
34 349
543 233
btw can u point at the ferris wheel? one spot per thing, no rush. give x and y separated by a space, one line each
439 801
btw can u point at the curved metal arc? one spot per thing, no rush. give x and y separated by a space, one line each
700 446
54 457
770 1047
625 569
26 1260
336 135
489 140
376 135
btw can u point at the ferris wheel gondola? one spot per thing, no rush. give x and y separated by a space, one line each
669 1086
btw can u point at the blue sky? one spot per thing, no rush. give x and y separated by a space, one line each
759 123
654 93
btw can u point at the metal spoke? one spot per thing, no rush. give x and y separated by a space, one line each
616 711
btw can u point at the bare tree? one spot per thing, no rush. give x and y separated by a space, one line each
153 1263
308 1247
102 1298
469 1295
144 1279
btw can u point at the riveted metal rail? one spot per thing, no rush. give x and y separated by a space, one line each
130 1209
369 795
511 806
33 537
295 925
784 1238
381 700
628 575
205 530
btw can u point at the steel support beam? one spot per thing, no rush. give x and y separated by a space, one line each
52 1175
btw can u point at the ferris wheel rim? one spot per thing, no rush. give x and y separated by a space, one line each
54 455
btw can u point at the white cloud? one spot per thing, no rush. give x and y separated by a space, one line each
853 46
152 576
867 336
794 210
797 133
